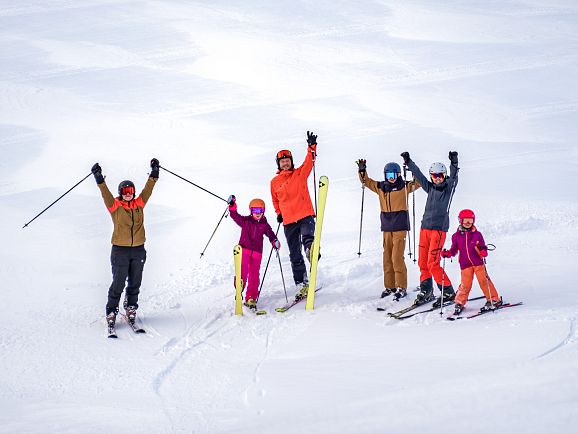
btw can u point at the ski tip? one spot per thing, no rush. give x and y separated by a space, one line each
381 309
280 309
112 336
140 331
261 312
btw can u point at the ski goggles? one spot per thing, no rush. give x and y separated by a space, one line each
283 154
257 210
437 175
391 175
127 190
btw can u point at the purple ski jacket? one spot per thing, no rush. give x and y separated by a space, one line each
471 246
252 231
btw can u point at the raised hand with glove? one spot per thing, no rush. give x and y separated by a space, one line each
97 172
361 165
453 156
155 166
406 157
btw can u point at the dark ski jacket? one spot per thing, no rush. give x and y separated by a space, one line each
252 231
436 216
393 201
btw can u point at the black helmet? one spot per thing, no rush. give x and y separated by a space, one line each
125 184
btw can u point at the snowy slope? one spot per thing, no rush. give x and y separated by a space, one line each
214 89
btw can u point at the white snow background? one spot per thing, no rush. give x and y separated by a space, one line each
213 89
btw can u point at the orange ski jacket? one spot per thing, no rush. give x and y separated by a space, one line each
290 193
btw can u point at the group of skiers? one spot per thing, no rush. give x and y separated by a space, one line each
294 209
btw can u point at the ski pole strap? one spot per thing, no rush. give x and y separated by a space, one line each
490 247
190 182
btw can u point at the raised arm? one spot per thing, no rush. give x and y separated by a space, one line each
423 181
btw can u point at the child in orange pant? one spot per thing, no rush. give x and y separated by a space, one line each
470 244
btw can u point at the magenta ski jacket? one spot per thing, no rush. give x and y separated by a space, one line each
471 246
252 231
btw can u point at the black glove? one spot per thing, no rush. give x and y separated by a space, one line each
97 172
453 156
231 200
155 165
311 138
279 218
405 156
361 165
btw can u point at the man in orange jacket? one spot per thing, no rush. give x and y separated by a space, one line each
294 209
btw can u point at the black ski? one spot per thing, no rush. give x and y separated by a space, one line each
482 312
132 325
411 307
432 309
292 303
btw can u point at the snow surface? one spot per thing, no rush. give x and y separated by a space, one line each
213 89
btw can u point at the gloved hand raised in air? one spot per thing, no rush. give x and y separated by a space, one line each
97 172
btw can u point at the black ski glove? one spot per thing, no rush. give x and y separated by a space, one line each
406 158
155 165
311 139
231 200
279 218
361 165
97 172
453 156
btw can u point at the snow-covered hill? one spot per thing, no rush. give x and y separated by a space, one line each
214 89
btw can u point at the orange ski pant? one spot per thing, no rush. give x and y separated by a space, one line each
483 280
430 244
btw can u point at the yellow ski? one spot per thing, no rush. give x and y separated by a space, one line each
238 257
323 185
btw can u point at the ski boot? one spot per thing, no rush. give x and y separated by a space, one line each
458 308
387 291
448 296
425 295
303 289
111 319
251 304
491 305
399 294
131 314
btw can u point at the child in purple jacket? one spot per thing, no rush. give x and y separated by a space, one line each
253 228
470 244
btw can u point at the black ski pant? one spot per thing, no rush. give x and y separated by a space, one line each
127 267
300 233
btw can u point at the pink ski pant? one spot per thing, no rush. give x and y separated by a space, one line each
250 266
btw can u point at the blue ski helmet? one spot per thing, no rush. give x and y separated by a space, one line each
392 168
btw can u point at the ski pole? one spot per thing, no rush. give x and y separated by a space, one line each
314 182
488 277
190 182
282 277
443 275
213 234
407 206
42 212
267 266
413 228
361 219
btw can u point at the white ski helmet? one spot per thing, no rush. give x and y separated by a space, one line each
438 168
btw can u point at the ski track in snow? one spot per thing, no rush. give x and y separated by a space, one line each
569 339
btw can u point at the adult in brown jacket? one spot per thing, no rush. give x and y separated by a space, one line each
393 194
128 254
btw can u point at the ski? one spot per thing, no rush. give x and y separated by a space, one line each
432 309
132 325
411 307
482 312
314 253
238 257
291 304
256 311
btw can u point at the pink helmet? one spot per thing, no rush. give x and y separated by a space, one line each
466 214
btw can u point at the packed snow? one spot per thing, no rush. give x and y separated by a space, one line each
214 89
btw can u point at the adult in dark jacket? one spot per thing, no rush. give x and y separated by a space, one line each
128 254
434 225
393 194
